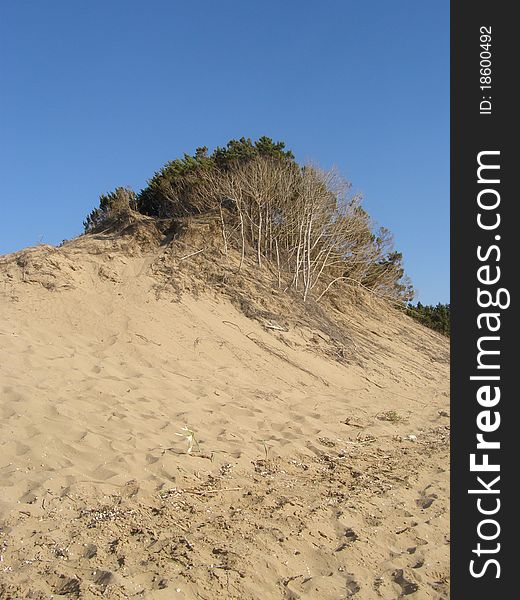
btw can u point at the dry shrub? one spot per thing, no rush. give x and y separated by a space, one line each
305 221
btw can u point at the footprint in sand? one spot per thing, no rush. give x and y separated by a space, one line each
352 586
407 585
350 537
426 500
6 412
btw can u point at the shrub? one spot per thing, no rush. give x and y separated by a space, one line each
114 204
303 220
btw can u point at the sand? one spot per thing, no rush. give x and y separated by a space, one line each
308 477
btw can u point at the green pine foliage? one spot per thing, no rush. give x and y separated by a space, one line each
435 317
171 191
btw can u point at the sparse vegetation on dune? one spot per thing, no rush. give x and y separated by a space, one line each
305 222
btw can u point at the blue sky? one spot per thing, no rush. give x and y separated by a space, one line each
102 93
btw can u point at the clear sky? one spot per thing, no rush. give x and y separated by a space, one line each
100 93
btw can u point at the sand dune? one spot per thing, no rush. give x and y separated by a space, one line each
309 477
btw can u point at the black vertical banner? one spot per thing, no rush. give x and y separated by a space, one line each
485 432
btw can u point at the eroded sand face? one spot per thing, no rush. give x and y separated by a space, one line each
311 478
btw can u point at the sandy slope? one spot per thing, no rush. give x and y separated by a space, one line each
312 478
